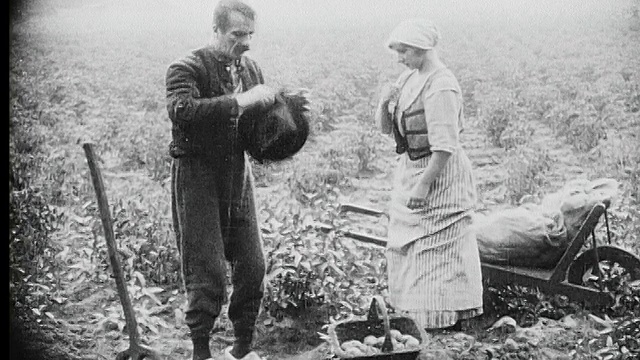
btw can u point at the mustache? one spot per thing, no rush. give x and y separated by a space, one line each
240 47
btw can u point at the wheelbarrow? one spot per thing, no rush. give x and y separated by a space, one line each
580 276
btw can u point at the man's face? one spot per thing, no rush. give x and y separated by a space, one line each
235 40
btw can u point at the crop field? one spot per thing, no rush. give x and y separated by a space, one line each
551 91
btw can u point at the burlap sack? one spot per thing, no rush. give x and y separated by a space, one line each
578 197
523 236
536 235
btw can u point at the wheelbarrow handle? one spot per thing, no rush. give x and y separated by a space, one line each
362 237
360 209
365 238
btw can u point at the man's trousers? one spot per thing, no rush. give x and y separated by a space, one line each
215 220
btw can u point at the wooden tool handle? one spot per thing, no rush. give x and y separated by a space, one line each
105 215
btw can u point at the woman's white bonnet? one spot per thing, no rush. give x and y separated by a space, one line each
419 33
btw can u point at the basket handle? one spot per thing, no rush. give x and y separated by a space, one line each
378 304
335 343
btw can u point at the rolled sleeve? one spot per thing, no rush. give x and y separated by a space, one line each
442 110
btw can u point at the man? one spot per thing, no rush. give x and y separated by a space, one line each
212 187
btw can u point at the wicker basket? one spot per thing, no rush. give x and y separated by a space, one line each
376 326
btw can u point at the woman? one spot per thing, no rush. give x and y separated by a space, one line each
433 261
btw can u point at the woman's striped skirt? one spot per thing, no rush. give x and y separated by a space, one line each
433 262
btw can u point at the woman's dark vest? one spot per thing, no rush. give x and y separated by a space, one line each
413 123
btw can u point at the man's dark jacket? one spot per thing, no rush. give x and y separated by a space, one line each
200 112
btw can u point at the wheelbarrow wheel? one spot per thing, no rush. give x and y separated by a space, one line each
615 266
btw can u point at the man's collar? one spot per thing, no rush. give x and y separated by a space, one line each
221 56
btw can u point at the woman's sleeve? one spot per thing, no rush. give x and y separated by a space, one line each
442 109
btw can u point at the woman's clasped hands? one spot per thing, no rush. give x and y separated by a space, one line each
417 198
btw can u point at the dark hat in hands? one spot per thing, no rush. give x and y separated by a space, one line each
278 132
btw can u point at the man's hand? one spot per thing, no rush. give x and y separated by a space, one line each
260 96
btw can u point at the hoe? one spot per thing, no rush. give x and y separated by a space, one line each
136 351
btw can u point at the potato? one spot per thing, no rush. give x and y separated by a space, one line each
411 342
370 340
351 344
395 334
403 338
395 343
354 351
380 341
354 344
372 350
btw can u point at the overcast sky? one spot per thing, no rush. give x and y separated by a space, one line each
159 14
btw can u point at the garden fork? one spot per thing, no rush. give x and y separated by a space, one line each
136 351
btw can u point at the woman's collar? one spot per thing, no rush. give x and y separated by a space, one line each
422 79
